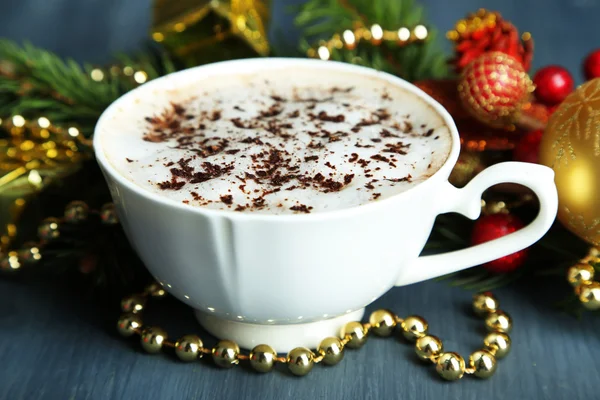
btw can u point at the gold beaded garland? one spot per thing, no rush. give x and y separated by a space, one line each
49 229
225 354
484 303
580 274
10 263
76 212
414 327
301 360
498 321
332 350
29 253
262 358
382 322
589 296
108 214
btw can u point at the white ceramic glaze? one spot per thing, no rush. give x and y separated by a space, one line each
271 270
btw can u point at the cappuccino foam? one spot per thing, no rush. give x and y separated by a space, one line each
278 142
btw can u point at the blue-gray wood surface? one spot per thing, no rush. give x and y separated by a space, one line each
56 344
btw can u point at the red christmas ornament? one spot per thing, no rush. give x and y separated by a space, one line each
493 226
527 148
591 65
553 84
493 88
486 31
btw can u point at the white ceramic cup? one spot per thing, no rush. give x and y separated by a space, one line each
291 280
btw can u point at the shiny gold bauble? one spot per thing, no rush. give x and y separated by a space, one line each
450 366
152 339
10 263
484 303
108 214
262 358
571 147
589 295
498 321
428 347
76 211
225 353
155 290
128 323
580 274
29 253
497 343
332 350
356 332
414 327
382 322
133 304
484 363
49 229
189 348
300 361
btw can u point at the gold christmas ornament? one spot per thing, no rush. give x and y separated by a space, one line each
450 366
428 347
152 339
382 322
484 303
484 364
262 358
128 324
497 343
571 147
189 348
225 354
332 350
300 361
76 211
203 31
589 296
49 229
357 334
580 274
414 327
498 321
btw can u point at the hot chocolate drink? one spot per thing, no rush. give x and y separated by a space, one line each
271 143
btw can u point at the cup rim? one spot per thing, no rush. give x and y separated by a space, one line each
274 63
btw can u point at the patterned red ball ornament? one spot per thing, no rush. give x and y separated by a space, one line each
493 88
493 226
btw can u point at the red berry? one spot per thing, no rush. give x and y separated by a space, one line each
527 148
553 84
591 65
493 226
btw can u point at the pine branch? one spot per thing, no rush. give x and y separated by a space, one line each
35 82
321 19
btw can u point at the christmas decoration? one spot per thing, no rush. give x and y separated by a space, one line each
484 32
552 84
527 148
300 361
493 88
591 65
199 32
571 146
581 277
491 227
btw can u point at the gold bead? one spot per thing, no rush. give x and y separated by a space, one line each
580 274
225 354
450 366
414 327
10 263
49 229
428 347
332 350
155 290
484 363
498 321
128 323
133 304
589 296
300 361
382 322
29 253
189 348
262 358
484 303
357 333
498 343
108 214
153 338
76 211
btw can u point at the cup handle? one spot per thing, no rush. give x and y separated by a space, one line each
467 201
